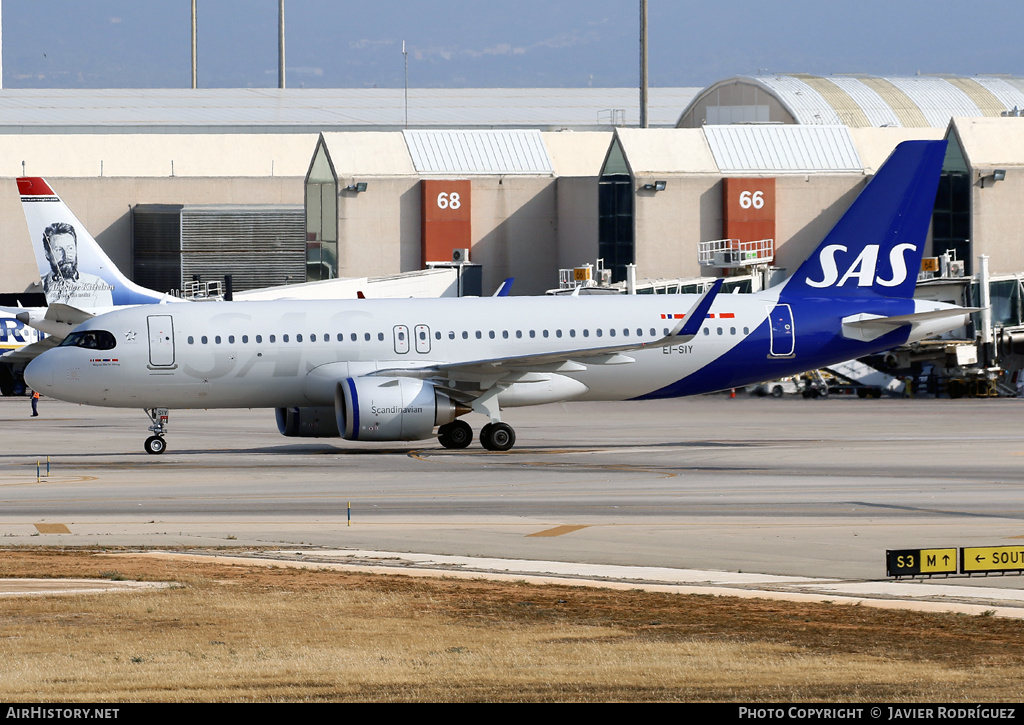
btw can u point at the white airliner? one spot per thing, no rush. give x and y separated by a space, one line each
394 370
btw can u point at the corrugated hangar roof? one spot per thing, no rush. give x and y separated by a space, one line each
478 152
860 101
301 110
783 149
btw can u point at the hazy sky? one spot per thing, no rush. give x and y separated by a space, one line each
524 43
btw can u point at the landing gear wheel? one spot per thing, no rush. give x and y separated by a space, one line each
155 445
456 434
497 437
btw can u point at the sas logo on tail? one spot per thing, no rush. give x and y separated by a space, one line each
864 267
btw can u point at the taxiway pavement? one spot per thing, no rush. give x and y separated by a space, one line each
815 489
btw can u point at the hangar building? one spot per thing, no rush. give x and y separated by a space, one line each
524 196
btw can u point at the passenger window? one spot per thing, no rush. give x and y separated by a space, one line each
491 334
245 339
284 338
191 340
203 339
217 339
259 338
504 334
273 338
478 334
380 336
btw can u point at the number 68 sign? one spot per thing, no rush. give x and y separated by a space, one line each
449 200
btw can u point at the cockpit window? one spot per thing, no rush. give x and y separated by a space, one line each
90 340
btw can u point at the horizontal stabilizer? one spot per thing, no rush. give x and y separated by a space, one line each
57 319
867 327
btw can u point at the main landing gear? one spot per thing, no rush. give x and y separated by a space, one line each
493 436
156 444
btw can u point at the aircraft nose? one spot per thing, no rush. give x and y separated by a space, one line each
39 373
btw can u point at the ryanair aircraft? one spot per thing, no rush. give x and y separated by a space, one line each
396 370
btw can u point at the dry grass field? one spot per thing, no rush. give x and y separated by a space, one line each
228 633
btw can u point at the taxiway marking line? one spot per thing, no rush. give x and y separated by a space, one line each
557 531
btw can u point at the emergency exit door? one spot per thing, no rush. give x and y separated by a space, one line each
783 339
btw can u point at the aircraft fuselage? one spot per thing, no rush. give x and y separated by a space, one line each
279 354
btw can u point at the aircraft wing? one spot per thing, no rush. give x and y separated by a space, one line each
31 351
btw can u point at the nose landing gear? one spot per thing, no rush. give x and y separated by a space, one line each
156 444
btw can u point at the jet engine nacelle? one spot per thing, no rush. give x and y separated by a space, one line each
307 422
390 409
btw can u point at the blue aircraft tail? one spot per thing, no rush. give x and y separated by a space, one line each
877 246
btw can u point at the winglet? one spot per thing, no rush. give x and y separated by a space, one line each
696 316
690 325
504 288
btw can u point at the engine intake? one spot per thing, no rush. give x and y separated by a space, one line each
391 409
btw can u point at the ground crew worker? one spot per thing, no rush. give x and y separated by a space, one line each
35 403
